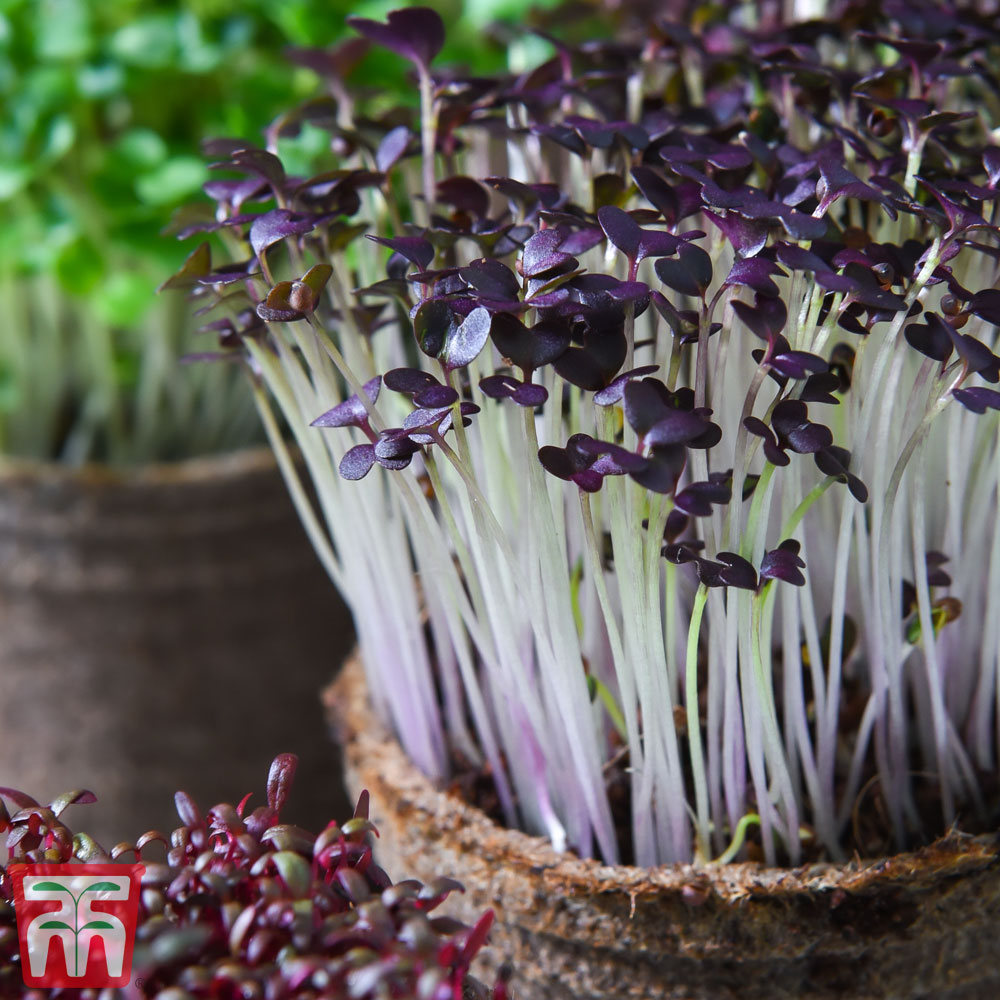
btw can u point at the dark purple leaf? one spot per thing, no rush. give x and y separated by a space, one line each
664 467
415 249
621 229
465 195
797 364
819 388
462 346
936 576
529 348
799 259
677 427
357 462
434 325
274 226
197 264
415 33
565 136
986 303
657 192
615 390
784 563
409 380
767 317
738 572
772 450
697 499
394 449
260 162
747 236
391 148
581 240
978 399
635 292
930 338
351 412
836 461
675 275
492 279
755 273
530 394
542 255
792 425
655 243
435 396
499 386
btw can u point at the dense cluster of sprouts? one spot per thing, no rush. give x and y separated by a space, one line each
670 407
247 906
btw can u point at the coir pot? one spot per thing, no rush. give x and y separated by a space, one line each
160 628
916 925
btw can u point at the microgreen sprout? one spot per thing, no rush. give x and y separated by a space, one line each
644 421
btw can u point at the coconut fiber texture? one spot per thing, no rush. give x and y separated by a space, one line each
918 925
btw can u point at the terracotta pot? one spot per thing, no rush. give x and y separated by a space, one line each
162 628
923 924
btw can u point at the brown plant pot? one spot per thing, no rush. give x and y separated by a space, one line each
923 924
162 628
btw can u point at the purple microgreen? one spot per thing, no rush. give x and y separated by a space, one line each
756 274
351 412
615 390
415 249
793 428
657 192
978 398
930 338
563 136
415 33
277 225
819 388
747 236
727 570
835 461
766 317
394 448
664 467
529 347
492 279
508 387
690 274
697 498
784 563
836 181
197 265
462 346
621 229
392 148
772 450
434 323
542 255
465 195
277 307
435 397
410 380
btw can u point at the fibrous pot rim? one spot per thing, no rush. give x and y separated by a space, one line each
227 464
381 762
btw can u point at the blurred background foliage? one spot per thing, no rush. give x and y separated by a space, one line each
105 106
